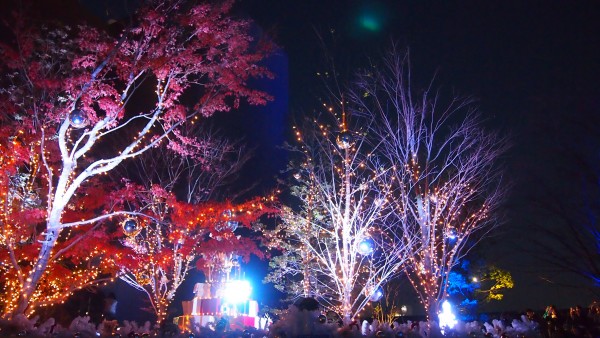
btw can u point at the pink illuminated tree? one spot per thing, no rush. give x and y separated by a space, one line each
71 89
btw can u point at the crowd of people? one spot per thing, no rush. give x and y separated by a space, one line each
577 322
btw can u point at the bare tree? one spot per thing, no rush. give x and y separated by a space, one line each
342 243
206 176
444 184
562 216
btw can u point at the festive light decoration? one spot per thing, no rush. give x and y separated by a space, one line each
451 233
376 294
57 68
77 118
174 237
238 291
344 196
366 247
446 317
345 140
443 182
22 214
232 225
130 227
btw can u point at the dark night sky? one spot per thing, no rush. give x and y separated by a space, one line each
532 65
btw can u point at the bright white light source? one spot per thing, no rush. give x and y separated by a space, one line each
237 291
446 317
366 247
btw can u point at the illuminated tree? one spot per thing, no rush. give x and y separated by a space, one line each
207 176
73 87
445 184
173 236
82 257
471 284
165 246
345 247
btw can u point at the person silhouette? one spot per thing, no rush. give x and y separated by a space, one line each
110 307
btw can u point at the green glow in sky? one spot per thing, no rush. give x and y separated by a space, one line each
370 22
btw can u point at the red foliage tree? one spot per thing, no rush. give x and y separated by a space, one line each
164 244
70 90
79 258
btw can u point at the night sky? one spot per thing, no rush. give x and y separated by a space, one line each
532 66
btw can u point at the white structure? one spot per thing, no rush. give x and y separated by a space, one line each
231 301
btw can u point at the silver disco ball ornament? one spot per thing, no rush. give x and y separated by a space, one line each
376 294
77 118
130 227
366 247
227 213
232 225
31 200
345 140
452 233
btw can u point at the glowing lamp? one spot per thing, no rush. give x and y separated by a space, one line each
366 247
446 317
345 140
376 294
237 291
77 118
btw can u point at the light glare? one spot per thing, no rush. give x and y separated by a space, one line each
238 291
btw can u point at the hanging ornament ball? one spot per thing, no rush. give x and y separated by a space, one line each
191 335
77 118
380 334
130 227
31 200
366 247
376 294
400 334
227 213
232 225
345 140
143 279
322 319
451 233
246 334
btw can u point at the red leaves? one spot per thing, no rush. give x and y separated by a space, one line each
164 53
